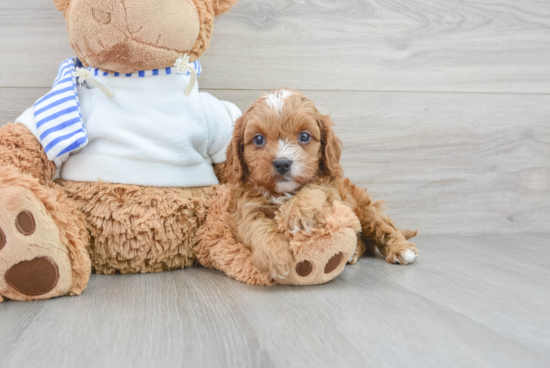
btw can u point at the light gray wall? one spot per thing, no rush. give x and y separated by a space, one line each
443 106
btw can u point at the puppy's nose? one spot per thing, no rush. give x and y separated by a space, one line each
282 166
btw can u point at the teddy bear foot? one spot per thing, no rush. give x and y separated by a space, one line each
321 253
324 261
34 261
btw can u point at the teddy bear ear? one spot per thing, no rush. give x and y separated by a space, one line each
62 5
220 6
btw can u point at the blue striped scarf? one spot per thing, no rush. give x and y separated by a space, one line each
57 115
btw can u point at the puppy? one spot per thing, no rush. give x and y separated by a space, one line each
283 167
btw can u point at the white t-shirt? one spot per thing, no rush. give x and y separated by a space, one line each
149 134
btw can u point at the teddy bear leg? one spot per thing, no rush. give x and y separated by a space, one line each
43 240
137 229
321 253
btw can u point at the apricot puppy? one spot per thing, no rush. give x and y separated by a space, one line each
283 168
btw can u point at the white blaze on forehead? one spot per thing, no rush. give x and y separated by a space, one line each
276 100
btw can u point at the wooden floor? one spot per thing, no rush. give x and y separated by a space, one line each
477 301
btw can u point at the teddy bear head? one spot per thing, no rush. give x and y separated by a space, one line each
129 35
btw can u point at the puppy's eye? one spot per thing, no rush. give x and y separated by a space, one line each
305 138
259 140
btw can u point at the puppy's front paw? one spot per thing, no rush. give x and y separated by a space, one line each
404 254
304 212
301 221
275 260
302 217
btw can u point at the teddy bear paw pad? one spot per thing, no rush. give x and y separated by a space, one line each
36 277
334 262
34 263
324 260
304 268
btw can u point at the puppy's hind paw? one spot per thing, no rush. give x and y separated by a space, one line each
407 257
403 257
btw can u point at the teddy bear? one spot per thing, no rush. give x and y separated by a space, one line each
113 170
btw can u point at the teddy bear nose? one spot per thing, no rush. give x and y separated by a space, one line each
282 166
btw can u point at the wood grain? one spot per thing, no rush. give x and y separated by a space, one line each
444 162
469 301
360 45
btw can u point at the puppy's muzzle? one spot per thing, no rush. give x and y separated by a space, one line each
282 166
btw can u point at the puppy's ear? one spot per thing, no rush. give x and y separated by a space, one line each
331 149
223 6
62 5
236 170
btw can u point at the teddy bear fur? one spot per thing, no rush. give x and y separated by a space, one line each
107 227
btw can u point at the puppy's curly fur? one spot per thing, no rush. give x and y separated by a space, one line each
269 204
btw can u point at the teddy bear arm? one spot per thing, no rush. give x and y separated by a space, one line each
20 148
322 251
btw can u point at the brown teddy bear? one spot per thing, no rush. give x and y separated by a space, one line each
135 149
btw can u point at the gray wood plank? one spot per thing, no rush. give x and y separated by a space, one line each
402 45
444 162
493 280
450 309
13 101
